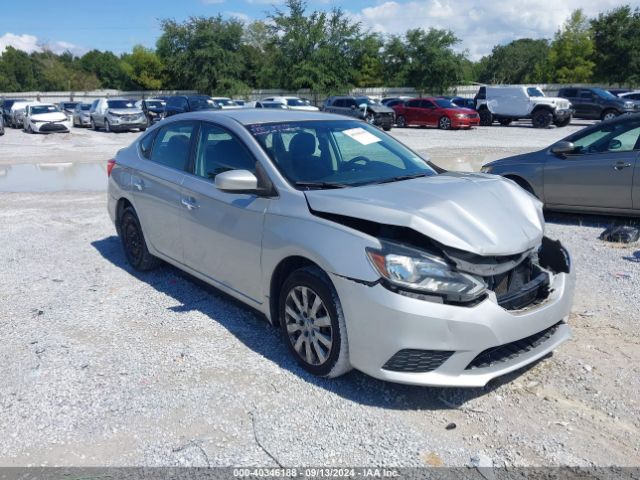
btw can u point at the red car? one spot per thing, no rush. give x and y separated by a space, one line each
435 112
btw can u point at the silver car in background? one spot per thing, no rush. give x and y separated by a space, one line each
81 115
364 254
117 115
594 170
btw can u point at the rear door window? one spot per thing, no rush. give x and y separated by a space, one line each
172 145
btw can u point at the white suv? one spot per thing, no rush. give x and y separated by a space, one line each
508 103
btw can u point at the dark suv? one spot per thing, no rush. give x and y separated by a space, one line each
189 103
5 110
361 107
597 103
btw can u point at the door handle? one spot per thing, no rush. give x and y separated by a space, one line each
620 165
189 203
139 184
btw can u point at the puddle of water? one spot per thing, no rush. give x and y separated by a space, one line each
53 177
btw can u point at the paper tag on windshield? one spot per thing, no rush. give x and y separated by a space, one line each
360 135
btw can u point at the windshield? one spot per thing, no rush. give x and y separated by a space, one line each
444 103
604 94
225 101
535 92
121 103
154 103
202 103
295 102
37 110
337 153
85 106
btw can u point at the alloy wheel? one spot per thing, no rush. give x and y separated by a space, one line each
445 123
402 122
609 116
308 325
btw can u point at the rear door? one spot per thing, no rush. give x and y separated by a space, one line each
412 112
157 188
223 231
600 173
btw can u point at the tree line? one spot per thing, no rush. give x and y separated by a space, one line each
328 52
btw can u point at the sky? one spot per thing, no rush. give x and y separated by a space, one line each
118 25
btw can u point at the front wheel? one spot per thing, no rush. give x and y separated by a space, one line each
486 118
609 115
107 126
444 123
563 123
542 119
313 324
94 127
401 122
134 243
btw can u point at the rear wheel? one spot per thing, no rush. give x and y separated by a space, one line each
133 242
312 323
486 118
444 123
542 119
401 122
609 115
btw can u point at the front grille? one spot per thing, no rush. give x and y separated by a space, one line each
520 286
417 361
53 127
509 351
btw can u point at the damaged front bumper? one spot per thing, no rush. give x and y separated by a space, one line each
409 340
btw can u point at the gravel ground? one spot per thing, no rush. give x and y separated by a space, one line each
105 366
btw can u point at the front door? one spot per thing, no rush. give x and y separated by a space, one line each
223 231
157 188
600 171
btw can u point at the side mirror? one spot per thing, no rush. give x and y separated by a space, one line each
615 144
362 106
236 181
562 148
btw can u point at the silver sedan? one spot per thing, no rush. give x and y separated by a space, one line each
594 170
364 254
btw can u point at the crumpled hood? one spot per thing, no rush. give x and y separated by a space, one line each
49 117
125 111
379 109
477 213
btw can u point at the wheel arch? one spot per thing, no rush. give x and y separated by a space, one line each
285 267
523 183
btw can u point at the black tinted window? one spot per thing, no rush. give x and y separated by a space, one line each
413 103
339 102
171 145
218 151
146 143
350 102
568 92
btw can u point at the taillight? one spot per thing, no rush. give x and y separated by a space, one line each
110 164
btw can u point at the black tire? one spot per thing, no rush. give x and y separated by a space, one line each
94 127
305 332
609 115
505 122
386 129
444 123
143 129
134 243
401 122
563 123
542 118
486 118
107 126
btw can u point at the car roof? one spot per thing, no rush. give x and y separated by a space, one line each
252 116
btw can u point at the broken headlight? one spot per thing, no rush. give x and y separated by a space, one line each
421 272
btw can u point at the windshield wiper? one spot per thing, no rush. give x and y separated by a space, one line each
402 177
320 185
